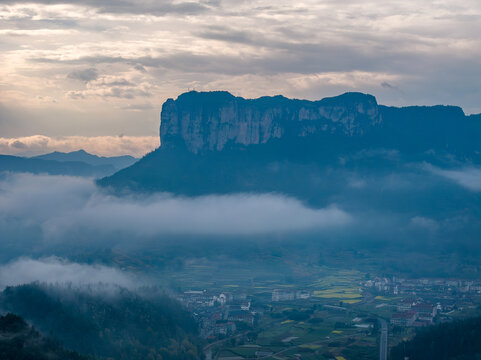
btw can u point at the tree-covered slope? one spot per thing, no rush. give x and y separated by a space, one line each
107 322
19 341
460 340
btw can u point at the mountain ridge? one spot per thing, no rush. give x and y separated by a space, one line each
15 164
118 162
214 142
209 120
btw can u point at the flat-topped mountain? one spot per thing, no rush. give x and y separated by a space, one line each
214 142
212 120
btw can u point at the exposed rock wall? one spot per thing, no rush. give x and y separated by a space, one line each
208 121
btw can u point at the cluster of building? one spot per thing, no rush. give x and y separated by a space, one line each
425 300
219 314
287 295
412 313
400 286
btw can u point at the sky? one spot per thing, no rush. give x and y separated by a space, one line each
94 74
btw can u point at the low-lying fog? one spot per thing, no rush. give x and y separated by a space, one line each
42 217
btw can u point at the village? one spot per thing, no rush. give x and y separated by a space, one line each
299 322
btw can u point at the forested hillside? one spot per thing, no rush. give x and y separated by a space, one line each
459 340
19 341
107 322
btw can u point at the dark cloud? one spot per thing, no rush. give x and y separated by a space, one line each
150 7
19 145
114 83
140 68
85 75
387 85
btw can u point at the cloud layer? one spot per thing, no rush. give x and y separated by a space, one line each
62 206
106 66
54 270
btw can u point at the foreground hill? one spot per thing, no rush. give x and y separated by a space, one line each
117 162
216 143
38 166
76 163
460 340
107 322
19 341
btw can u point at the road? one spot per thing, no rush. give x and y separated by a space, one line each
383 340
208 348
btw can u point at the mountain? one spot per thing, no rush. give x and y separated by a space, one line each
38 166
107 322
118 162
214 142
215 120
20 341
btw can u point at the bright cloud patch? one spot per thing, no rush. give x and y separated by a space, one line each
55 270
470 178
63 205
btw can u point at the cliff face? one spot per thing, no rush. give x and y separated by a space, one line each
209 121
218 143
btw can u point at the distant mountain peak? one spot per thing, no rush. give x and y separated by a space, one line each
115 162
81 151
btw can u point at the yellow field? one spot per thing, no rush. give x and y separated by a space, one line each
339 295
353 301
383 298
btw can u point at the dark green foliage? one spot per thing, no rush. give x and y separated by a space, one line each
297 315
19 341
113 323
460 340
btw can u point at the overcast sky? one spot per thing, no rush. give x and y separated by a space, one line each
103 68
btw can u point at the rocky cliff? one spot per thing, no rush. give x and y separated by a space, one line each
208 121
218 143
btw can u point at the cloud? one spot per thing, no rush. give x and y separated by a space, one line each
469 177
85 75
425 223
252 48
62 206
100 145
54 270
151 7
